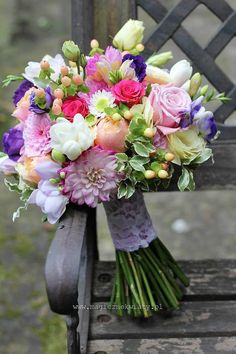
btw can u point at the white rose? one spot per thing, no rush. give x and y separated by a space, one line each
180 72
73 138
129 35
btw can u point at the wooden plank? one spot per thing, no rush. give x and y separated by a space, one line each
221 345
195 319
209 279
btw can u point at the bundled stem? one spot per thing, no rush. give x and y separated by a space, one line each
147 280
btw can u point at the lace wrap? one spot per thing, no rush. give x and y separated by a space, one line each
129 223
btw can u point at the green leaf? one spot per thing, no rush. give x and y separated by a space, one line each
95 50
123 108
122 156
136 165
122 190
204 156
148 89
110 111
83 88
130 191
184 180
11 78
13 187
141 160
137 125
141 149
115 76
91 120
71 90
191 185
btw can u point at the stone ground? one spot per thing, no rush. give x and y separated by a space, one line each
194 226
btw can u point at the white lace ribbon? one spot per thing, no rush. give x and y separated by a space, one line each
129 223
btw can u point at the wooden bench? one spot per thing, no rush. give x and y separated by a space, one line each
76 279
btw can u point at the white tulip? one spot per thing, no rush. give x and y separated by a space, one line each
71 139
129 35
156 75
181 72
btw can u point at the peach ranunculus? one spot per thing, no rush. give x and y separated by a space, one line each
26 168
168 103
22 108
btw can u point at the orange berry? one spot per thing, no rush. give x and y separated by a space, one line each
44 65
164 166
66 81
58 93
169 156
56 109
162 174
57 101
64 71
128 115
39 92
149 174
77 79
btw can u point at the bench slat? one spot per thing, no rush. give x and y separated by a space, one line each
209 279
221 345
195 319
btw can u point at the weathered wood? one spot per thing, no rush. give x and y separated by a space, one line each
82 23
210 279
220 345
195 319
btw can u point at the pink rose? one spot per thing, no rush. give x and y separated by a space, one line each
73 105
128 91
168 102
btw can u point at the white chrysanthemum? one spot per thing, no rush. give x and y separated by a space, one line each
99 101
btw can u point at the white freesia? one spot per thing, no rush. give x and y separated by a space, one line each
33 69
156 75
180 72
71 138
129 35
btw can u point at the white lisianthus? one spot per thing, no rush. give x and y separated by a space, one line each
188 146
33 69
129 35
71 139
180 72
156 75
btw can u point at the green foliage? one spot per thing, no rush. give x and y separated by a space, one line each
186 180
11 78
115 76
91 120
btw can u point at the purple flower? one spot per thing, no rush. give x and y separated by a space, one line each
7 166
187 116
21 90
46 104
48 196
13 142
138 65
206 124
91 178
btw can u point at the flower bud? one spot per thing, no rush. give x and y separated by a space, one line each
169 156
94 44
149 174
58 156
162 174
71 50
83 61
62 175
140 47
58 93
164 166
116 116
203 90
57 101
64 71
66 81
56 109
129 35
159 59
77 79
40 92
149 133
44 65
195 83
181 72
128 115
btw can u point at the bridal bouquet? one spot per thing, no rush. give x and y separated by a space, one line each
104 127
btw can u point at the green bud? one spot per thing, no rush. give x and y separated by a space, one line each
83 60
58 156
71 50
159 59
203 90
62 175
115 76
54 180
195 83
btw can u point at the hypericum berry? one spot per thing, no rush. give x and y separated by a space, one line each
66 81
77 79
94 44
39 92
162 174
116 116
169 156
58 101
56 109
140 47
149 133
149 174
58 93
64 71
128 115
44 65
164 166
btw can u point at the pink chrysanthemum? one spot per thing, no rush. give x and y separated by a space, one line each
91 178
36 135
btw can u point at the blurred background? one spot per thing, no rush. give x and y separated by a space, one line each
193 225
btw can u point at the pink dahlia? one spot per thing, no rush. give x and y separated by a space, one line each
36 135
91 178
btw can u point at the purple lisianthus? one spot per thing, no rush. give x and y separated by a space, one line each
38 108
187 116
21 90
13 142
48 196
137 64
206 124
